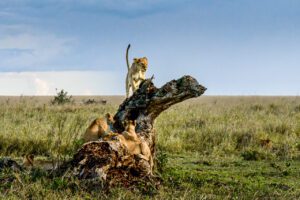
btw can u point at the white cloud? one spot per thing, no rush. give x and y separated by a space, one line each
87 92
42 87
74 82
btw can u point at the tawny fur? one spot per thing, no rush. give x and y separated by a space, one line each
134 144
136 73
29 161
99 128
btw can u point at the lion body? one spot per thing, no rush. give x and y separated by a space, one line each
134 144
136 73
99 128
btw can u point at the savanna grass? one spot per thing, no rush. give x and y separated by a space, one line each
208 148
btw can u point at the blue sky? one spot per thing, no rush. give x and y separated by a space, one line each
233 47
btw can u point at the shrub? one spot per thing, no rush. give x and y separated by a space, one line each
62 98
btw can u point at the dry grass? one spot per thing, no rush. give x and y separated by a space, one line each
226 126
213 145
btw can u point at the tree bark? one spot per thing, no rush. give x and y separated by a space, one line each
109 161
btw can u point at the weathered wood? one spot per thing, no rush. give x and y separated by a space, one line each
148 102
109 161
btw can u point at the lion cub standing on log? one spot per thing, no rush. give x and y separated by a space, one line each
99 128
134 144
136 73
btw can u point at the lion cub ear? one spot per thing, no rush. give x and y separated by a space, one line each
135 60
145 61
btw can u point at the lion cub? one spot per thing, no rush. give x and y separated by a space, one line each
134 144
136 73
99 128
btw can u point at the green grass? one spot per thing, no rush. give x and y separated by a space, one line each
210 148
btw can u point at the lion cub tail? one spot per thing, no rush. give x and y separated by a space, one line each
127 61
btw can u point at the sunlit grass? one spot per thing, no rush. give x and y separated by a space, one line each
213 145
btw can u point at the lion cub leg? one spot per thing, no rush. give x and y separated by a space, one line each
134 85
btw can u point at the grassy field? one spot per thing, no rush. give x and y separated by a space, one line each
208 148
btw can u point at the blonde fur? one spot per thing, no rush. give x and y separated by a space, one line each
136 73
99 128
134 144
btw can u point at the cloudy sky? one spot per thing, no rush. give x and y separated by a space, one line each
233 47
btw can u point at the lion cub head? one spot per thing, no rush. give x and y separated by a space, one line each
129 126
141 63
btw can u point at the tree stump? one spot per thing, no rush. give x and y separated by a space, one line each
109 161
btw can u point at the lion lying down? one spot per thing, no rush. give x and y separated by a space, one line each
101 129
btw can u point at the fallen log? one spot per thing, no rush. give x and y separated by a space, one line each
108 161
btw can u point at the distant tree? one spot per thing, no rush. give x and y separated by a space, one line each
62 98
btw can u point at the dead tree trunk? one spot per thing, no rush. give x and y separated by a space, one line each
109 161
